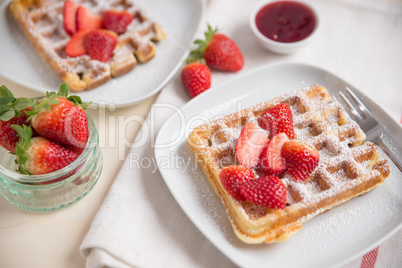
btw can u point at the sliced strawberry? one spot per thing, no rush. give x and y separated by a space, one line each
100 44
196 78
251 142
268 191
69 20
301 158
278 119
271 160
87 21
39 155
232 177
116 21
75 47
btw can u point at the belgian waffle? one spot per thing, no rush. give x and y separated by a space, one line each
42 23
348 166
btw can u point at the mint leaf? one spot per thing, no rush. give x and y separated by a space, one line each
21 104
5 92
7 115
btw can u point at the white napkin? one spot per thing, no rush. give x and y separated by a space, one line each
141 225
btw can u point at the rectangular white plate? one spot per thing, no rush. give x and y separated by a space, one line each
180 19
330 239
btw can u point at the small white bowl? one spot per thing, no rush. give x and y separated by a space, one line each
275 46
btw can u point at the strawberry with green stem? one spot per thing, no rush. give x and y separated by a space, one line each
12 112
61 118
219 51
39 155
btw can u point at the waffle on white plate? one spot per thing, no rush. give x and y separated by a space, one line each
42 23
347 167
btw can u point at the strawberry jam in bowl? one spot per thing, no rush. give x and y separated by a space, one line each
283 26
42 170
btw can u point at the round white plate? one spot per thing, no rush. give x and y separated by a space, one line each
330 239
180 19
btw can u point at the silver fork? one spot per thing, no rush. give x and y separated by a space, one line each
373 129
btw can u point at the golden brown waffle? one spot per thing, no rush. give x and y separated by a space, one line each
342 173
42 23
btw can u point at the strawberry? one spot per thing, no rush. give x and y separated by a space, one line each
301 158
219 51
12 112
39 155
196 78
268 191
69 12
87 21
116 21
232 177
271 160
251 142
58 119
278 119
100 44
75 46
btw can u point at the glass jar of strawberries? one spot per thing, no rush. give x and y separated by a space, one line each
45 171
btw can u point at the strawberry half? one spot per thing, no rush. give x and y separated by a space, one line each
219 51
116 21
87 21
251 142
39 155
69 21
271 161
278 119
268 191
232 177
100 44
301 158
196 78
75 46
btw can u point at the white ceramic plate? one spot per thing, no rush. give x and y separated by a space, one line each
179 18
330 239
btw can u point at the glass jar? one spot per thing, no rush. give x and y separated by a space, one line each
55 190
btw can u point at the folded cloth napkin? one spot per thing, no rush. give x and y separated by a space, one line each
140 224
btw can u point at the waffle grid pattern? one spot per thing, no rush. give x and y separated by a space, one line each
42 22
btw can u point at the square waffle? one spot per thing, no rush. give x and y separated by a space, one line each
348 166
42 23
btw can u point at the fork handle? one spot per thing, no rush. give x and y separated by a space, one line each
389 153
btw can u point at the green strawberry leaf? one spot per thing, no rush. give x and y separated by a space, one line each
4 108
7 115
63 90
25 134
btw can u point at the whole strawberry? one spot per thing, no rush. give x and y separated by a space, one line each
301 158
278 119
61 119
219 51
268 191
12 113
39 155
196 78
232 177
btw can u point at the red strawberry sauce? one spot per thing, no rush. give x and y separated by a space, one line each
286 21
